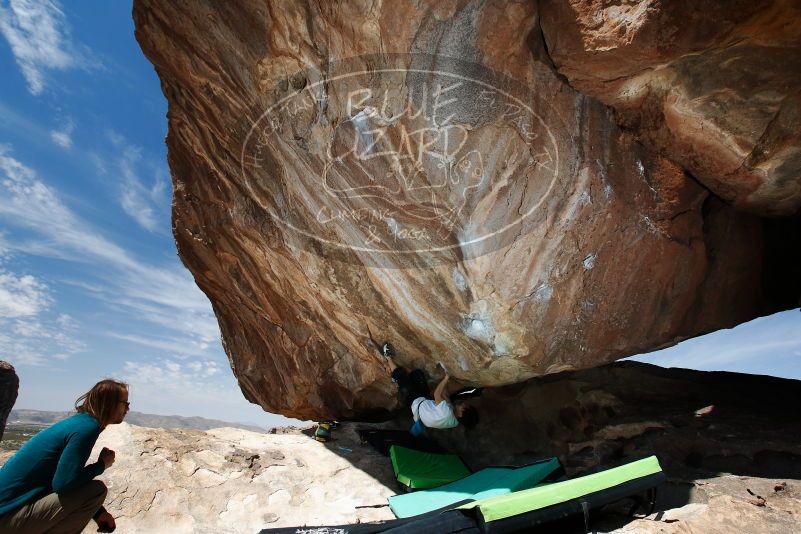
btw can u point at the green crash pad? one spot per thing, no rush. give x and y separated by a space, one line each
424 470
521 502
483 484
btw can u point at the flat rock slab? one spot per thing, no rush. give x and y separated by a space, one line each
733 504
230 480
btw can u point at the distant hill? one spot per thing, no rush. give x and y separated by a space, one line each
44 418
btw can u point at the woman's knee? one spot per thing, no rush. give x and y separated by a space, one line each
97 489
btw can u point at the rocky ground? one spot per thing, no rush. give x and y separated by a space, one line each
726 504
231 480
726 441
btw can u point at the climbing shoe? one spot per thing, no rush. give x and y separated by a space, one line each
388 350
323 432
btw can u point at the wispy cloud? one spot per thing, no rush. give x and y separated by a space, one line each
28 202
144 204
166 296
22 296
178 346
167 377
5 250
187 383
37 341
21 125
98 163
39 36
18 352
63 135
27 336
172 374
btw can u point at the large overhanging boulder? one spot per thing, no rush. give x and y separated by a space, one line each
419 172
715 86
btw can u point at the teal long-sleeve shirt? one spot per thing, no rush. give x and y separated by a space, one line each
52 461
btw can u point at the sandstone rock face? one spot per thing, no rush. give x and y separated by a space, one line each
407 170
715 86
230 481
9 387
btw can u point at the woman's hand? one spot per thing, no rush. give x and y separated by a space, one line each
105 522
107 457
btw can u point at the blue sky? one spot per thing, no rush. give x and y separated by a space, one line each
90 283
765 346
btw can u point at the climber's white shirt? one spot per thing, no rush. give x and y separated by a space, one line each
434 415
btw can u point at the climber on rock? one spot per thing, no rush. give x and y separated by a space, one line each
437 411
47 486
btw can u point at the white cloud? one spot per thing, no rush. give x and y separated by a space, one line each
133 197
39 36
98 162
18 353
22 296
63 136
144 204
170 376
196 387
5 249
26 336
65 320
22 125
49 330
35 341
180 346
28 202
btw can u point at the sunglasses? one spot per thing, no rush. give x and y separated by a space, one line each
126 403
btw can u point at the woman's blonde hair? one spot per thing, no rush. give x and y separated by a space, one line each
101 401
